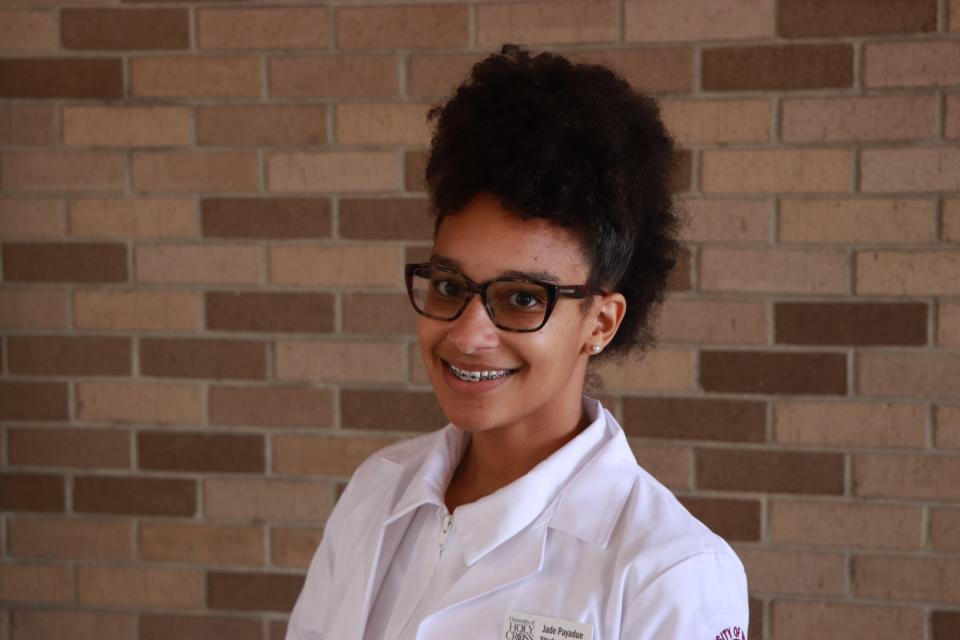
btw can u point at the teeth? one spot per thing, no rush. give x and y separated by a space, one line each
477 376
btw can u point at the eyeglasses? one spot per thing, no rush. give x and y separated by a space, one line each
513 304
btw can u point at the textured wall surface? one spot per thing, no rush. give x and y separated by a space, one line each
206 207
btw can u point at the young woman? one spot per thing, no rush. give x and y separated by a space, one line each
527 517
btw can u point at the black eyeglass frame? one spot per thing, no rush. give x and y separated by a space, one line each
554 293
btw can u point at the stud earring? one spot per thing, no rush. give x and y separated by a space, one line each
595 349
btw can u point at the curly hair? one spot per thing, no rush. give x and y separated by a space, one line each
574 144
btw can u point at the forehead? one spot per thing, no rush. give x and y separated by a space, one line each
487 240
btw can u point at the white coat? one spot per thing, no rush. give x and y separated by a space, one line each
612 549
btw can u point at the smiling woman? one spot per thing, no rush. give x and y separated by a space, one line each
527 516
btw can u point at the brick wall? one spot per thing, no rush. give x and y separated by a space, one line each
205 211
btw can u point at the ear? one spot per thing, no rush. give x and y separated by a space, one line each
605 317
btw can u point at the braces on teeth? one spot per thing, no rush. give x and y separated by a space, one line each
477 376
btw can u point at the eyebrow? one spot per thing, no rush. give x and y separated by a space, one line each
543 276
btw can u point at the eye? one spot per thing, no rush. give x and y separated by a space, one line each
449 288
524 299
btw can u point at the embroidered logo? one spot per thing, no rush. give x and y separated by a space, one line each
519 628
732 633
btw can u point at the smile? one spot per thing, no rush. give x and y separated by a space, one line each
477 376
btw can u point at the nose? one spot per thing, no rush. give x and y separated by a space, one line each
474 330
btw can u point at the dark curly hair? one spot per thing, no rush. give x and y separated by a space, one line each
574 144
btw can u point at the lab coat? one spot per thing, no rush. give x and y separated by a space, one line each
611 549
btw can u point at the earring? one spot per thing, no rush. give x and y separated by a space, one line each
595 349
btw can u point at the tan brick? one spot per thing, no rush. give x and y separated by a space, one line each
954 11
559 21
907 578
33 309
436 74
951 128
665 369
127 126
195 77
906 117
339 266
69 447
33 124
253 591
414 171
928 477
63 170
162 627
918 169
911 64
70 538
180 171
271 406
663 20
140 587
61 77
848 221
139 402
263 28
773 270
323 455
293 547
951 220
22 30
945 529
948 427
779 67
849 424
199 263
718 121
147 217
712 321
120 29
659 69
334 76
383 123
35 583
201 543
911 273
726 220
801 620
262 125
154 310
334 171
31 218
794 572
948 325
340 361
777 170
909 374
845 524
433 25
247 499
77 625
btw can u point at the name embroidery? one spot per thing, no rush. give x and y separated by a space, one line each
527 626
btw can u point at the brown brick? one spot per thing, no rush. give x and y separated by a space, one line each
800 620
271 406
730 519
928 477
222 264
712 321
770 470
664 369
270 311
253 591
774 372
945 624
920 169
33 401
352 265
266 217
139 402
851 323
657 69
203 358
61 78
945 529
262 28
334 76
846 424
179 171
266 499
679 278
926 375
126 309
954 25
162 451
382 123
695 419
558 21
140 587
907 578
277 630
96 126
22 308
324 455
68 355
35 583
905 117
338 171
813 18
262 125
195 77
33 124
125 29
163 627
680 179
70 538
201 543
24 30
31 492
669 464
850 221
31 219
390 410
951 128
378 314
794 572
911 64
64 262
845 524
776 171
293 547
662 20
68 170
778 67
386 219
77 625
132 495
391 27
69 447
125 218
414 171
